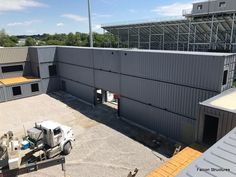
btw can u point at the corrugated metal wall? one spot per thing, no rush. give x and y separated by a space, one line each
2 94
227 121
107 81
50 84
25 90
230 63
174 98
163 122
159 90
83 92
76 73
12 74
46 54
44 69
75 55
107 60
13 54
187 69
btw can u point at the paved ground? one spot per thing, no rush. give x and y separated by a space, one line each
105 146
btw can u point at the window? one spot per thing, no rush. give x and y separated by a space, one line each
16 90
199 7
7 69
225 77
57 131
52 70
222 4
45 132
34 87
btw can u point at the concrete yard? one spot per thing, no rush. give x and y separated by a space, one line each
105 146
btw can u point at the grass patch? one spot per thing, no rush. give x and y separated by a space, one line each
234 84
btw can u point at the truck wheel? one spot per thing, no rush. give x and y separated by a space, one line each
67 148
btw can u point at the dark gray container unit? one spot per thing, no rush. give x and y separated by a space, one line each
221 110
107 68
161 90
14 57
158 89
2 93
75 69
17 64
44 65
25 90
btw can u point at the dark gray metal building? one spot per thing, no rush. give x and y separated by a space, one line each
158 90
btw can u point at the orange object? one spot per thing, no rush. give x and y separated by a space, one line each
17 80
174 165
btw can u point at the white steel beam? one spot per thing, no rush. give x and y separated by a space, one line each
232 32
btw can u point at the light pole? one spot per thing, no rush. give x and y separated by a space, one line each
90 24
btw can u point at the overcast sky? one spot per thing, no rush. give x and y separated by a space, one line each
64 16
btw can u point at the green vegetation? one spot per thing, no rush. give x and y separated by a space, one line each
6 40
30 41
234 83
71 39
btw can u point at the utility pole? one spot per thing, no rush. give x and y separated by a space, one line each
90 24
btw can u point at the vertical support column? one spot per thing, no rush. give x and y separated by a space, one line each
178 37
225 41
189 32
104 96
128 37
118 38
163 39
232 32
150 37
211 34
194 40
216 35
138 37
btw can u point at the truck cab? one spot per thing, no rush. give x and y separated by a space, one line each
55 137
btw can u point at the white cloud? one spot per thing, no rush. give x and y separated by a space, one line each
74 17
172 9
24 23
60 24
18 5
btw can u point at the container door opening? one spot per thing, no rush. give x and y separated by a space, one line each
107 98
210 130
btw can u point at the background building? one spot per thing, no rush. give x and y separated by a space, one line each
208 26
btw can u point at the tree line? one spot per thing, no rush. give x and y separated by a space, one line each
71 39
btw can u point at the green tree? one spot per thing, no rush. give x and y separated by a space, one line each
30 41
55 42
6 41
73 39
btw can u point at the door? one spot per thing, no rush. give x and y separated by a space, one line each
57 138
210 129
